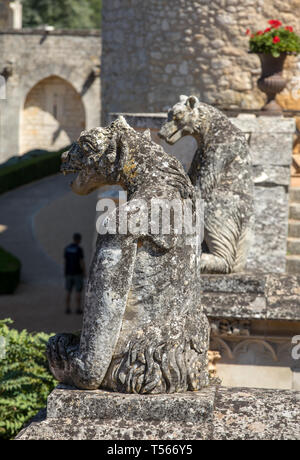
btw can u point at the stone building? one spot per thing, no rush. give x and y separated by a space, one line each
153 52
52 86
10 14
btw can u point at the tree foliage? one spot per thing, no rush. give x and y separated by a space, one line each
62 14
25 380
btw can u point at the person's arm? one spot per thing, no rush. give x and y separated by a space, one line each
82 264
65 260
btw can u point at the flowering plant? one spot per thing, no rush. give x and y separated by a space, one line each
276 39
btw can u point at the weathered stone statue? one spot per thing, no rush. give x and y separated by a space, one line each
221 168
143 330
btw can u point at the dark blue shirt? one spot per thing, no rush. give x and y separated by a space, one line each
73 256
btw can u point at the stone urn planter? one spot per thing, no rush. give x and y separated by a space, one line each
271 81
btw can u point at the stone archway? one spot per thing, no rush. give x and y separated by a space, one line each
52 117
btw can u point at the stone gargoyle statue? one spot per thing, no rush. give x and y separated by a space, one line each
222 170
143 328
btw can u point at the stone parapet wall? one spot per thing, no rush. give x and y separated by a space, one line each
263 296
254 318
54 32
152 52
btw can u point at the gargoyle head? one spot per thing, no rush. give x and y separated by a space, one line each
180 120
97 157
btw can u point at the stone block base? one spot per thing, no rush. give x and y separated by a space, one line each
213 413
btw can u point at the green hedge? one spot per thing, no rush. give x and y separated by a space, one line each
10 270
25 380
29 170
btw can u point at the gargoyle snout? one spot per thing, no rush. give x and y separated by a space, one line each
70 159
65 157
163 132
160 135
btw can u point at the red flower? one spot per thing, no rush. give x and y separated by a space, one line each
260 32
289 28
247 31
274 23
276 39
267 30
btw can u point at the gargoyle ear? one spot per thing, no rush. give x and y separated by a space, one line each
192 101
122 122
147 134
183 98
111 151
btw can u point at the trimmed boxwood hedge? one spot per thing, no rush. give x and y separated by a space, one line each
10 270
29 169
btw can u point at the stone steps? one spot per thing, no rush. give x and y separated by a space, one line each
295 195
293 246
294 211
293 264
294 228
293 242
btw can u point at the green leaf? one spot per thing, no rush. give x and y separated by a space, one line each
275 53
64 14
289 42
25 380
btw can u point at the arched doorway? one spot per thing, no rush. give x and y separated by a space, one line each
53 116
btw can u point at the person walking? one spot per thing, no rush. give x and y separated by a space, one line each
74 272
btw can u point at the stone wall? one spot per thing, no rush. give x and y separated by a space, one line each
11 14
5 13
29 57
155 50
271 145
52 117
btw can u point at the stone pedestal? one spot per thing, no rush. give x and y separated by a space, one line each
213 413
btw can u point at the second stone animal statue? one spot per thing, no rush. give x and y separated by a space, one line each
144 330
221 169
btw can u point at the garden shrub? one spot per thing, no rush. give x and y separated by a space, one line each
10 270
28 169
25 380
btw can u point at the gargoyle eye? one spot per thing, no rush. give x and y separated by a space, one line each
170 115
178 115
87 146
